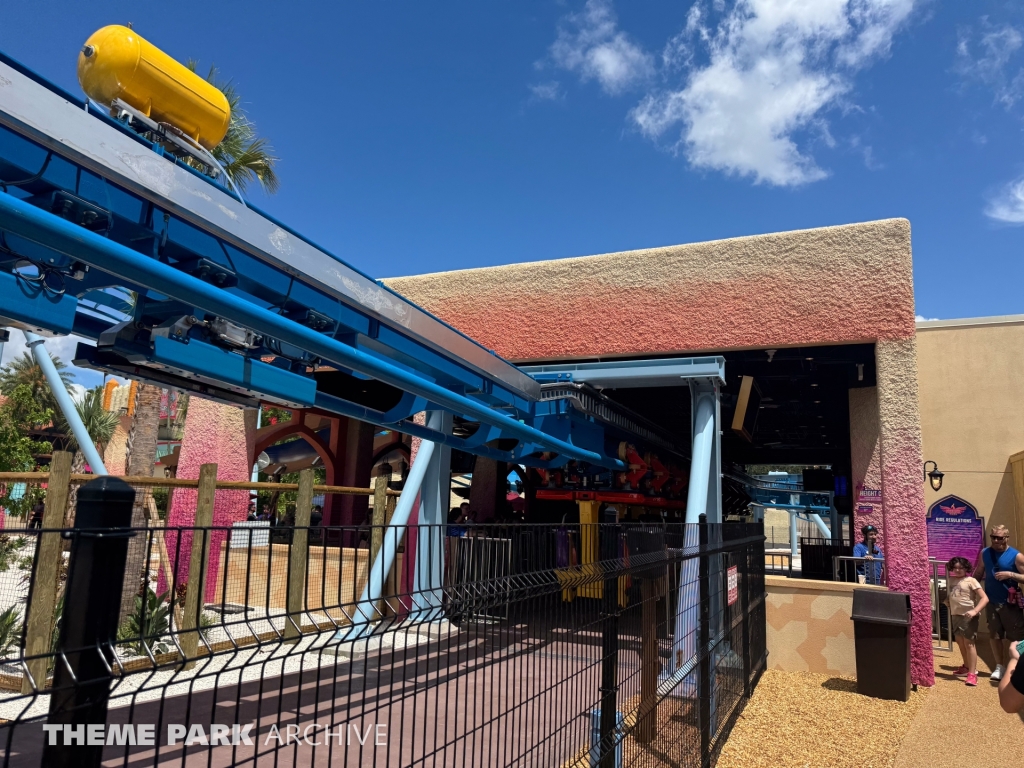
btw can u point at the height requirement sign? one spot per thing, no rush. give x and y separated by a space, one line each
954 530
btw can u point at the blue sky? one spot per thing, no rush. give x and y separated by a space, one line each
418 137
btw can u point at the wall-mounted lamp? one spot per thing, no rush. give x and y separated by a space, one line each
934 477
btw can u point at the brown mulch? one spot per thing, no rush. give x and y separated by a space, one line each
802 720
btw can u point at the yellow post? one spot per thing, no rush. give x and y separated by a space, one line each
195 588
298 557
43 604
590 549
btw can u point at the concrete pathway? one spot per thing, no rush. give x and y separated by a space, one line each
961 726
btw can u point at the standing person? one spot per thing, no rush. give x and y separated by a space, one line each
1003 567
36 520
966 602
871 572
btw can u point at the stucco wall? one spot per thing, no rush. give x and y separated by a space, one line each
809 626
903 511
866 460
971 379
214 434
821 286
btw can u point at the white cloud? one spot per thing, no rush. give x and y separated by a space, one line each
923 319
590 44
746 83
550 91
773 68
1007 206
990 66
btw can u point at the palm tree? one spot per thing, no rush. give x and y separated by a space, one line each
25 370
246 157
100 424
139 460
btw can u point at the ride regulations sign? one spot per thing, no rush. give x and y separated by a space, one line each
954 530
733 581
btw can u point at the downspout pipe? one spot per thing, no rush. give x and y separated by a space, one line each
50 231
65 403
366 609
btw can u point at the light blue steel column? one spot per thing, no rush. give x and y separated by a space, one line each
66 404
435 494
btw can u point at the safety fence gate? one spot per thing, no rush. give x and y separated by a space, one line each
549 645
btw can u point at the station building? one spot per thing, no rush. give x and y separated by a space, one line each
824 321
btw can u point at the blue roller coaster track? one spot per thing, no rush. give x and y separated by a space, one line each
107 235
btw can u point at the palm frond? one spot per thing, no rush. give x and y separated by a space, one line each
25 371
245 156
99 423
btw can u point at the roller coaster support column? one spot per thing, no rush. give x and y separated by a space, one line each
793 537
67 405
704 497
435 493
367 610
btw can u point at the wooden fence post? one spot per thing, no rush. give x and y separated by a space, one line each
390 590
298 557
42 605
195 588
378 521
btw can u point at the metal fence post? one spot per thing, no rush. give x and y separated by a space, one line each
195 587
745 629
704 643
609 548
298 557
82 673
42 603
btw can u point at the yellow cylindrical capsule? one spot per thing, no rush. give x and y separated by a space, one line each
116 63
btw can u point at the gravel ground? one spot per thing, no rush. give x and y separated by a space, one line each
800 720
962 727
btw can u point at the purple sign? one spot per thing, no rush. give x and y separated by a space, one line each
954 530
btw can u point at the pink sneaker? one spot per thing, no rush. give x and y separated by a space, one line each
963 671
972 679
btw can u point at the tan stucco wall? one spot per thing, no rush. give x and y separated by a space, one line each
971 380
809 626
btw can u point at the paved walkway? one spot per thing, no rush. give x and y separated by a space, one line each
961 726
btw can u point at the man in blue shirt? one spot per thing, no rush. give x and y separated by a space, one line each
1003 567
869 573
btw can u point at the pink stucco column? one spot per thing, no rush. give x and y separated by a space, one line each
214 434
866 461
903 508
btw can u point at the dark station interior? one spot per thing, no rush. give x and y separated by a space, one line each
802 420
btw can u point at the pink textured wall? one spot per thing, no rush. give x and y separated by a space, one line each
903 493
214 434
866 459
820 286
834 285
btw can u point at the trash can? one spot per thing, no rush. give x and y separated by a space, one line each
881 630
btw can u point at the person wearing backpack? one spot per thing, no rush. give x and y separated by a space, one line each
1003 568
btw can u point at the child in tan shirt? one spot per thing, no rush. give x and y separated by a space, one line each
967 600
